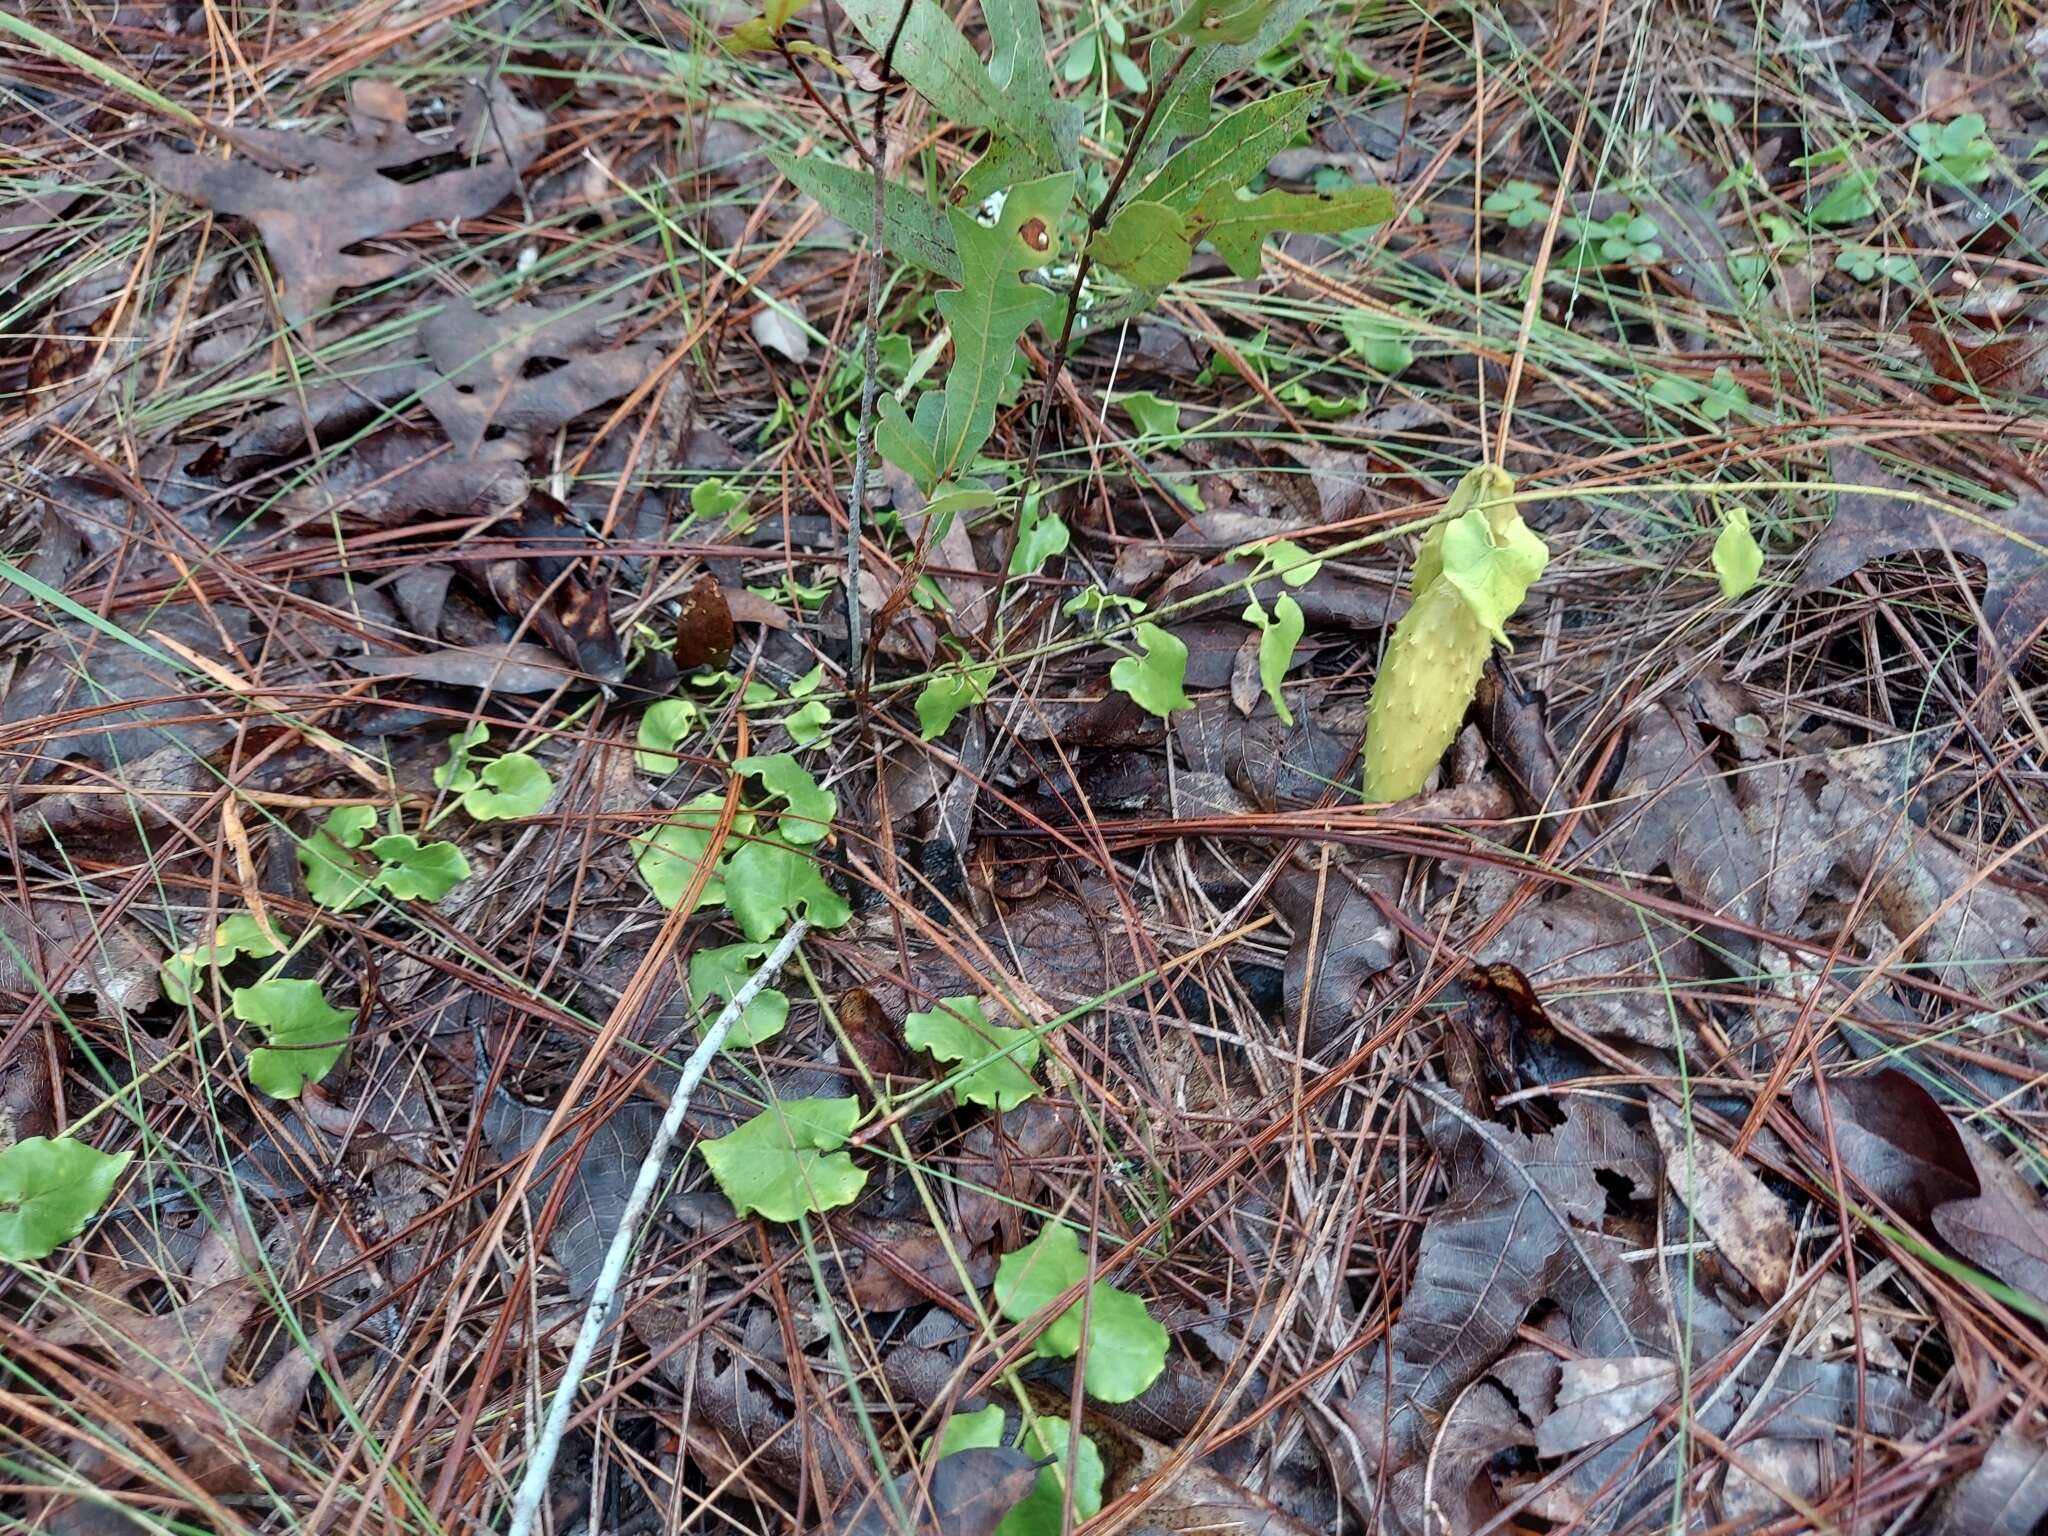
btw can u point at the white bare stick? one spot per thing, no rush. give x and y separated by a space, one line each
533 1486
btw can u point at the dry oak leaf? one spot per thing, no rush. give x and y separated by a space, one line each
331 195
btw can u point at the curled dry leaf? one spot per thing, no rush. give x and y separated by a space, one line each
1338 951
514 667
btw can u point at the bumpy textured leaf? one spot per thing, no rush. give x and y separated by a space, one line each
238 936
785 1162
306 1033
912 229
996 1062
1155 681
1147 242
811 809
1238 226
767 882
1232 152
716 976
49 1190
1126 1349
514 785
987 314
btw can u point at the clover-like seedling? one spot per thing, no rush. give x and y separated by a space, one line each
717 976
1382 341
949 692
1863 263
1521 203
1957 153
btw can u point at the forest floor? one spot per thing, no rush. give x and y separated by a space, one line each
429 691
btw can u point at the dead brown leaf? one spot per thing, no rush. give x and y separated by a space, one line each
329 196
1748 1223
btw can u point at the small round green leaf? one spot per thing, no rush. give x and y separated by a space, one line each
1040 1511
665 724
995 1070
670 854
456 774
811 809
306 1033
767 880
785 1163
49 1190
239 935
941 700
1492 566
1038 1274
1155 681
417 871
716 976
513 786
1738 562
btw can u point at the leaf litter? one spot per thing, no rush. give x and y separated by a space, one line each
1642 1117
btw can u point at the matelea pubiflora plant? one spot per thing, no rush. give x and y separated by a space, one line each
1473 572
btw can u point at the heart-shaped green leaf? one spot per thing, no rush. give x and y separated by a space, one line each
49 1190
785 1162
306 1033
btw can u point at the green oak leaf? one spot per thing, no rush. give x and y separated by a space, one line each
49 1190
306 1033
669 855
1155 681
333 879
767 881
811 809
1238 226
1126 1348
239 936
514 785
940 701
1493 563
662 728
417 871
912 229
716 976
1738 561
785 1162
995 1062
987 314
1234 150
1147 243
1277 640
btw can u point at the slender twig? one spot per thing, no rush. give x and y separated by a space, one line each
1096 220
877 156
533 1486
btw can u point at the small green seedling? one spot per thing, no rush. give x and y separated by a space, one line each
717 975
1155 680
1381 341
1957 153
305 1034
1040 1512
49 1190
785 1162
996 1062
1521 203
504 789
406 868
948 693
1865 264
239 937
811 809
1040 536
665 726
669 855
1126 1349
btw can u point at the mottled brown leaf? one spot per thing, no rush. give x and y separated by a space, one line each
1748 1223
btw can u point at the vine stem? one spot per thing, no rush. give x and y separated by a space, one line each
547 1446
877 156
1085 262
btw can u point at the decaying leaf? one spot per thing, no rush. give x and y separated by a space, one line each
1598 1399
965 1494
331 196
602 1167
1337 949
2007 1495
1894 1141
1748 1223
2004 1228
